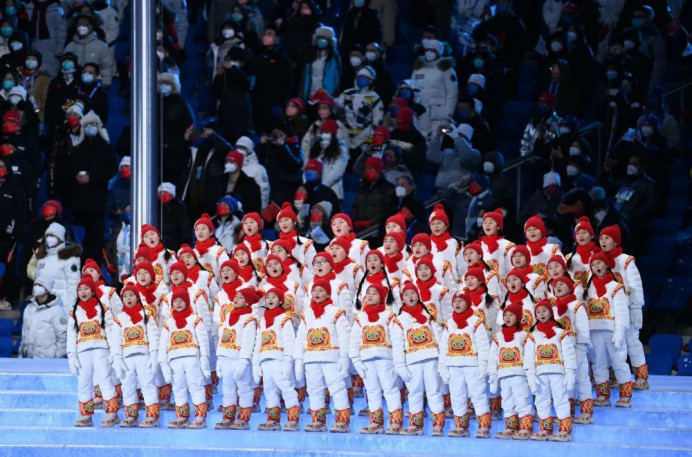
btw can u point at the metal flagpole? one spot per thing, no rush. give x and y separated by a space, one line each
144 104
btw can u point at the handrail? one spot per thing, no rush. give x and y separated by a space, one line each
679 88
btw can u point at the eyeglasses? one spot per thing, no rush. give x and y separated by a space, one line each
319 263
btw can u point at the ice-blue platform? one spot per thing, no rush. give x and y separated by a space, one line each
38 408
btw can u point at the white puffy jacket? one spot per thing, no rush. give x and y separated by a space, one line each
44 330
438 92
62 265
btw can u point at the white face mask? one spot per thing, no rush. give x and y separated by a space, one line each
556 46
298 204
600 215
430 56
400 191
574 151
14 99
628 44
82 30
16 45
647 131
325 139
488 167
356 61
479 221
87 78
371 56
230 167
166 89
39 290
572 170
228 33
52 241
91 130
632 170
159 36
31 64
160 55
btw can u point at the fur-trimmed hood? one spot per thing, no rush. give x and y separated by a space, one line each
444 64
65 252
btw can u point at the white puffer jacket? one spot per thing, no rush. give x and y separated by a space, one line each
44 330
438 92
61 264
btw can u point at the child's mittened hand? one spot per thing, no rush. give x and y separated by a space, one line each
403 372
288 369
493 384
342 366
482 371
444 373
74 365
570 380
618 339
256 372
360 368
636 318
532 383
166 372
152 362
240 368
119 368
206 368
300 371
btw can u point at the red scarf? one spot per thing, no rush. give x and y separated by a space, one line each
440 241
89 307
561 304
391 262
279 282
491 242
181 317
235 314
154 252
184 286
508 332
461 318
270 315
373 311
519 296
614 254
376 278
585 251
339 266
231 288
536 247
255 241
148 292
416 312
193 273
328 277
547 328
526 271
350 237
203 246
477 295
135 312
246 272
424 288
318 308
601 283
99 291
290 237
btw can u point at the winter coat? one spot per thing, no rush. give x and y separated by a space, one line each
313 133
456 158
62 265
363 111
232 90
466 15
59 91
97 158
44 330
465 209
177 118
13 206
37 86
255 170
413 147
119 196
331 76
361 26
273 73
247 192
438 92
637 201
175 224
52 45
374 201
95 98
206 180
333 170
284 165
92 50
227 231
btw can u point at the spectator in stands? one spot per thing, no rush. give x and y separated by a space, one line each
89 168
13 217
363 108
239 185
605 214
228 36
325 110
295 118
537 133
361 26
283 160
24 152
468 199
313 192
322 69
467 114
59 262
174 221
374 57
297 34
66 137
375 197
451 149
119 195
36 82
231 88
89 48
90 91
408 203
176 119
63 87
44 324
254 169
544 201
510 32
634 60
227 222
18 47
654 106
331 151
575 177
652 43
501 185
48 32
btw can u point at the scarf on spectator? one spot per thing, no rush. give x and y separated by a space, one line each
154 252
536 247
193 273
518 296
440 240
39 18
278 282
318 308
290 238
185 285
271 314
614 253
235 314
392 262
203 246
424 288
99 291
585 251
148 292
417 312
508 332
231 287
376 278
547 327
477 295
461 318
255 241
89 307
246 272
135 312
339 266
492 242
181 316
601 283
373 311
561 303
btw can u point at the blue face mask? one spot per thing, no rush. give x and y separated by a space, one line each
321 43
638 22
405 93
393 110
478 63
311 176
11 10
362 82
6 31
91 130
7 84
67 65
236 17
612 75
472 89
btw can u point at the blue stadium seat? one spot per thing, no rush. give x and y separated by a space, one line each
511 128
518 110
666 225
680 168
666 343
6 345
660 364
17 328
508 147
526 90
351 181
15 348
270 234
425 187
3 269
682 264
349 198
6 327
676 206
79 233
679 186
676 293
685 365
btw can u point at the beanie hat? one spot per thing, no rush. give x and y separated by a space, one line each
125 162
255 217
514 308
464 295
434 45
384 131
146 266
232 264
560 260
523 250
57 230
399 220
283 244
54 203
422 238
439 214
237 157
551 179
326 256
612 231
250 294
182 294
603 257
89 282
516 272
149 228
329 126
243 247
584 224
271 257
205 220
323 283
475 272
466 131
404 116
246 143
382 291
375 163
476 246
497 216
536 222
408 285
343 216
287 211
326 101
477 79
298 102
565 280
274 290
129 287
166 187
426 260
178 266
315 165
399 238
343 242
399 101
143 252
185 249
375 252
544 303
91 263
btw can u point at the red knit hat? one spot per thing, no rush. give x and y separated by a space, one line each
497 216
399 238
343 216
314 165
404 116
87 281
476 246
147 266
422 238
584 224
612 231
256 217
287 211
12 116
515 308
149 228
382 291
182 294
237 157
375 252
205 219
382 133
523 250
232 264
464 295
536 222
329 126
559 259
343 242
250 294
271 257
439 214
243 247
179 266
375 163
326 101
428 261
602 256
408 285
399 101
397 219
91 263
326 256
129 287
565 280
323 283
298 102
54 203
516 272
143 251
283 244
186 249
477 273
543 303
276 291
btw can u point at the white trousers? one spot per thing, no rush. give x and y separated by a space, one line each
187 376
235 391
464 383
380 379
276 385
552 386
515 394
138 374
324 375
605 354
425 380
635 349
95 371
583 384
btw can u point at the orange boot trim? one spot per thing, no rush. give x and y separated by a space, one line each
112 406
201 410
274 414
438 419
319 415
257 393
377 417
229 413
294 413
566 425
546 425
119 390
244 414
165 392
641 372
396 417
132 411
603 389
526 422
209 392
86 408
214 378
153 411
349 394
447 398
496 404
416 419
182 412
512 423
462 421
626 390
343 416
587 407
302 393
97 392
357 381
484 421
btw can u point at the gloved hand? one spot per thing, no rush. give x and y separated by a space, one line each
482 371
360 367
403 372
493 383
119 367
256 372
153 363
444 373
204 365
288 368
342 366
75 366
618 339
533 383
166 372
636 318
300 371
570 380
240 368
